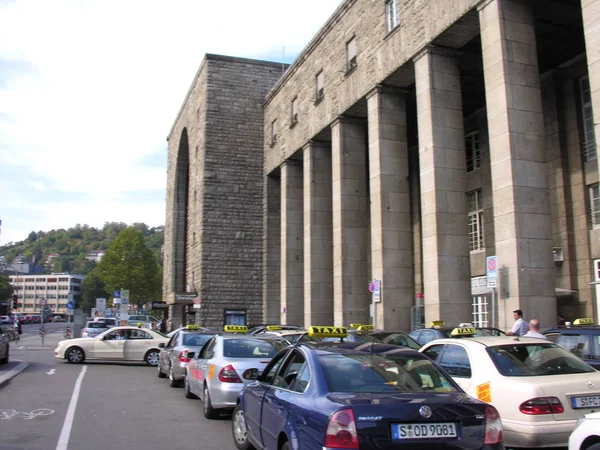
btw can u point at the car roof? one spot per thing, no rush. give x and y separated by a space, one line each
347 347
490 341
560 329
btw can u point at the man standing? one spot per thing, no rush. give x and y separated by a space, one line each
520 327
534 330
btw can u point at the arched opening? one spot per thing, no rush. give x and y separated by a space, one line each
180 214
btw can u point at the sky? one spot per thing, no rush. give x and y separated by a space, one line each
89 90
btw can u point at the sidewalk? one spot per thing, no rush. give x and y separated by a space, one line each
11 370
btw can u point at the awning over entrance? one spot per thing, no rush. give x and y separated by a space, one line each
561 291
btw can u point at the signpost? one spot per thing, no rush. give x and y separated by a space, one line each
124 313
197 303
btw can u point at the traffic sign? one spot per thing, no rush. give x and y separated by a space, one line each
197 303
492 271
117 294
43 302
70 305
124 293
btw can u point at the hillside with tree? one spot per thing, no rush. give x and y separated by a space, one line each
69 250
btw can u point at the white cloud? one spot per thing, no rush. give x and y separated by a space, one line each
89 90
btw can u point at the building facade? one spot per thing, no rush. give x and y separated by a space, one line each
443 148
412 140
56 289
214 218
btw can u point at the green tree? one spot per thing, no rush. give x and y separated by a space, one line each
91 289
130 264
6 290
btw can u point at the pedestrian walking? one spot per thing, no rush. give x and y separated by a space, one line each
520 327
534 330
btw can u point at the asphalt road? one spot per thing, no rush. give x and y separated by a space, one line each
53 405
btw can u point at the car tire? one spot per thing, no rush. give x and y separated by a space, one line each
209 411
5 359
186 387
238 429
285 446
75 355
161 374
152 357
593 447
172 381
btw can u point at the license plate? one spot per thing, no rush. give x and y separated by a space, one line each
589 401
423 430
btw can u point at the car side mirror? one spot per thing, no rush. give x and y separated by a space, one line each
162 345
191 354
250 374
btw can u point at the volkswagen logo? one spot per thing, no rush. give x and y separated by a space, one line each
425 411
589 384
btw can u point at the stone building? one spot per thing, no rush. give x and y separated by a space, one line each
214 218
412 140
417 143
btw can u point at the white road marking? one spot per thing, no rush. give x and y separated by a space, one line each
8 414
51 372
65 434
19 348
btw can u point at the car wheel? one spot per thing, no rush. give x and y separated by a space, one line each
75 355
209 411
161 374
5 359
593 447
238 429
285 446
151 357
172 381
186 387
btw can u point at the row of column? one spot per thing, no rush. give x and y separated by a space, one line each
345 209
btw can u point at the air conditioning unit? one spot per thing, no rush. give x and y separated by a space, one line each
558 254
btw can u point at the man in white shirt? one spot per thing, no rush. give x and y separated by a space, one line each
534 330
520 327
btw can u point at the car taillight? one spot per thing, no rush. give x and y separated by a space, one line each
229 375
493 426
341 430
85 330
542 405
183 356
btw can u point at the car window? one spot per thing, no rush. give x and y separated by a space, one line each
246 348
434 351
272 368
398 339
195 340
536 359
173 340
378 373
456 361
117 335
595 346
572 343
96 325
289 371
208 351
139 334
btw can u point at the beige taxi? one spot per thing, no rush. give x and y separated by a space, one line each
540 389
117 344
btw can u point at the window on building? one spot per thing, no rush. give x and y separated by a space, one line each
480 311
588 146
320 87
475 221
351 55
235 317
392 14
595 204
273 131
294 111
473 151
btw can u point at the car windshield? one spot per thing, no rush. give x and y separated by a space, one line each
195 340
527 359
96 325
374 373
396 339
248 348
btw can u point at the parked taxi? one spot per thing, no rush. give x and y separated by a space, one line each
215 374
348 395
118 344
581 338
539 388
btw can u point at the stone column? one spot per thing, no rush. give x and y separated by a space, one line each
391 233
318 235
590 10
350 222
272 251
446 264
292 259
522 220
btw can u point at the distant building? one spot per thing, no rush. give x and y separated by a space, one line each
21 268
57 289
50 257
95 255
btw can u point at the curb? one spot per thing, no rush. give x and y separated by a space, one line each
13 372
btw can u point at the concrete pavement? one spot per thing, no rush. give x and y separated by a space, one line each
11 370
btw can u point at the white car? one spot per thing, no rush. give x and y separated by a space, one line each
118 344
587 434
539 388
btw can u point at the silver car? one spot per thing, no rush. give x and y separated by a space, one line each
94 328
216 374
177 353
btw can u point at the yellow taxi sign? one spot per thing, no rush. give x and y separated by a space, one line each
192 327
464 331
365 328
328 332
355 325
437 323
273 327
584 321
235 328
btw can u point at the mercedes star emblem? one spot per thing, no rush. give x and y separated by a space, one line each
425 411
590 384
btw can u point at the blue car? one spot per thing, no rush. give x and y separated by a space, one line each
351 395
